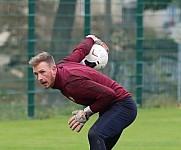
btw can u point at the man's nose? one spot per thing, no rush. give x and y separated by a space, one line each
39 77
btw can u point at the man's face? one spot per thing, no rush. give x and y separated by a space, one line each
45 74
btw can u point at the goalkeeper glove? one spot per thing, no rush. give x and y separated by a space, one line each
79 119
93 37
98 41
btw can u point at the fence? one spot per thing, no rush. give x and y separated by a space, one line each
142 36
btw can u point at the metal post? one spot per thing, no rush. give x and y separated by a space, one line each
179 75
31 47
87 17
139 52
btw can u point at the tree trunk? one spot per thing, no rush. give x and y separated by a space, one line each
61 34
107 22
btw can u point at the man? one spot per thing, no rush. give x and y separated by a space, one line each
86 86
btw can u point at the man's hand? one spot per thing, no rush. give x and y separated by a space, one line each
93 37
78 120
98 41
105 46
75 125
80 116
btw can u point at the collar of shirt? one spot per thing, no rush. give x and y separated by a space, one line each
57 81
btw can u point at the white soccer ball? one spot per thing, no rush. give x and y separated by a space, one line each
97 57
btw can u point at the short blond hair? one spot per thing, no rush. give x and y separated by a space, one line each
42 57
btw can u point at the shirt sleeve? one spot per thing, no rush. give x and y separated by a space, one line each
101 96
82 49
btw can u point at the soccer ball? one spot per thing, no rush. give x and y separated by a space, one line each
97 57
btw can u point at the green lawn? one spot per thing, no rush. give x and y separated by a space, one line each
154 129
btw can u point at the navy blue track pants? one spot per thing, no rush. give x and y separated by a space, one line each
106 131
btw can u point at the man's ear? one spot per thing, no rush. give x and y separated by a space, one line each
54 69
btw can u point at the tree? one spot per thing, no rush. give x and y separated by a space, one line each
108 19
62 28
156 4
159 4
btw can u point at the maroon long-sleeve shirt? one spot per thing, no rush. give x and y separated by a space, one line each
85 85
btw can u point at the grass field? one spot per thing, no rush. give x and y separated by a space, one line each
154 129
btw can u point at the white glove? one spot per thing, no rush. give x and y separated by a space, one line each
93 37
98 41
79 119
105 46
